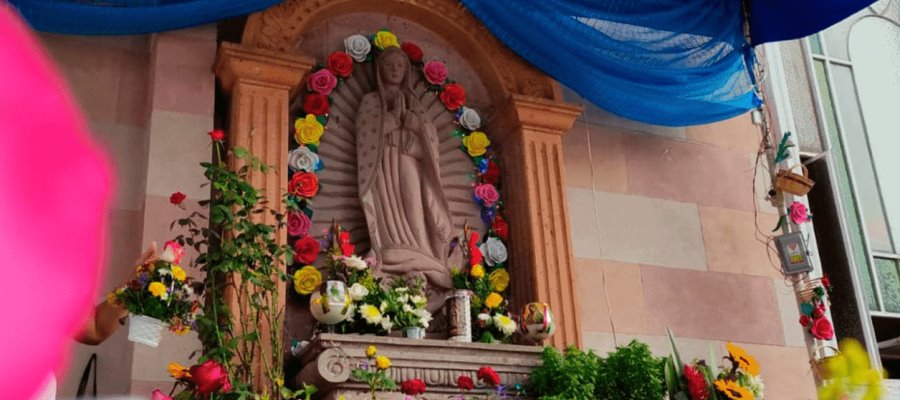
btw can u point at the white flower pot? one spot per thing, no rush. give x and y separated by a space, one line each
415 332
146 330
334 307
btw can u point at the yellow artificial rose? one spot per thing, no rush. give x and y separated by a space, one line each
499 280
477 271
178 273
178 371
308 130
493 300
385 39
157 289
382 362
307 279
371 351
182 330
476 143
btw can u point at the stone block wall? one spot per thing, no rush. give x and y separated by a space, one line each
664 232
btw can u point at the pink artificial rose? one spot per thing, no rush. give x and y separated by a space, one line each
822 329
172 252
435 72
298 224
209 377
159 395
322 82
487 193
799 213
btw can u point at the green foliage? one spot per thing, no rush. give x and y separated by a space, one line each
782 153
378 380
631 373
569 376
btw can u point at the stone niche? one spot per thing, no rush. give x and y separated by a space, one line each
327 362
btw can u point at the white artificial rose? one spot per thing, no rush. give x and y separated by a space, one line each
407 308
402 289
358 292
386 324
424 316
470 119
484 318
358 47
494 251
355 262
383 307
403 299
303 159
418 300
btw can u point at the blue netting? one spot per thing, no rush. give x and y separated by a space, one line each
665 62
128 17
774 20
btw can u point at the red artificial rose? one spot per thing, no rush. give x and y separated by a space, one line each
217 135
465 382
209 377
696 383
347 248
488 376
805 320
819 311
306 250
412 51
304 184
822 329
826 283
316 104
453 96
500 227
340 64
492 174
475 255
177 197
413 387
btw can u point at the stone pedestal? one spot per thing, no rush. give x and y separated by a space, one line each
328 360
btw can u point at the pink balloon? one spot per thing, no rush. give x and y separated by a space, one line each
54 191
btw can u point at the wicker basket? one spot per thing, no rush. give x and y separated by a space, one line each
146 330
818 363
793 183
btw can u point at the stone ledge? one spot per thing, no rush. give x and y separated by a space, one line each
326 362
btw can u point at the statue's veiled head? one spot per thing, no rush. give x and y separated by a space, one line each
394 69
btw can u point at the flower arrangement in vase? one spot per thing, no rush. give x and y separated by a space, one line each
406 302
700 380
159 296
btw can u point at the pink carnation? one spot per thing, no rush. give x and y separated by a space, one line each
172 252
487 193
298 224
435 72
322 82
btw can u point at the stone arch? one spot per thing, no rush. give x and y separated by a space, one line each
503 73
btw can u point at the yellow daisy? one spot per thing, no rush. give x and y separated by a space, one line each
157 289
178 273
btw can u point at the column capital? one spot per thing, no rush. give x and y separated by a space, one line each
235 62
541 115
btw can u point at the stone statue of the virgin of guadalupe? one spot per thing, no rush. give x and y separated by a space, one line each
405 206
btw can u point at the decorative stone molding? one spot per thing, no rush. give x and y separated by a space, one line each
280 27
327 361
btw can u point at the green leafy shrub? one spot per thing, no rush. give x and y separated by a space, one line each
630 373
569 376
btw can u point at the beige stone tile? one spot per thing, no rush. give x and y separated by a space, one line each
172 49
644 230
591 295
180 89
734 244
737 133
794 334
600 342
598 116
785 371
150 363
712 305
127 147
689 349
624 289
582 219
178 143
594 158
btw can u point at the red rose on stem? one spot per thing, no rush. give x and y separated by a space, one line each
453 96
304 184
822 329
217 135
177 197
475 255
412 51
696 383
316 104
340 64
488 376
492 174
306 250
500 227
805 320
209 377
465 382
413 387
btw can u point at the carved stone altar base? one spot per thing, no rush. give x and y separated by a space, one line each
327 361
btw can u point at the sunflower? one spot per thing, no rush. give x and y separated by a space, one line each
744 361
733 390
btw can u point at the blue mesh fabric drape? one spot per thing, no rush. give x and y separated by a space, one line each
127 17
774 20
664 62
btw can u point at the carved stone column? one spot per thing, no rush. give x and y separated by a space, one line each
260 84
529 135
